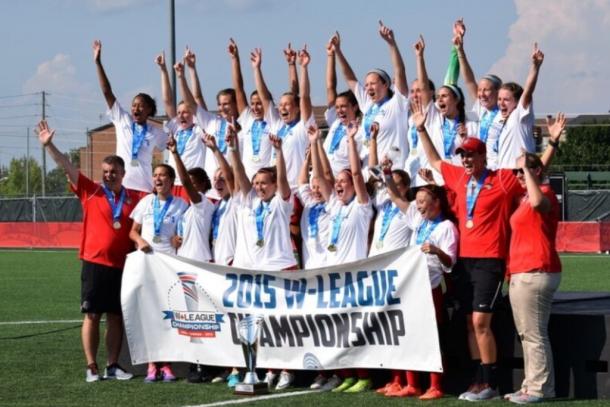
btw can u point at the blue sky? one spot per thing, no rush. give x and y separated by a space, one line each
46 45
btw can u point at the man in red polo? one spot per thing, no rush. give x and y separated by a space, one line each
483 201
104 247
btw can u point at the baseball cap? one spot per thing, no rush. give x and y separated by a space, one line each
472 145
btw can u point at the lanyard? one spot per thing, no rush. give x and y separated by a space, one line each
159 213
257 131
426 228
337 137
488 118
118 207
261 213
370 115
220 135
218 212
413 134
472 193
449 134
285 131
139 134
389 211
314 213
182 137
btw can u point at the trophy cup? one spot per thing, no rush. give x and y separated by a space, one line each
248 331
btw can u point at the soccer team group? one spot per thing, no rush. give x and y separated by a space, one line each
257 186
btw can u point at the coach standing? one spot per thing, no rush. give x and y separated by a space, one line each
104 246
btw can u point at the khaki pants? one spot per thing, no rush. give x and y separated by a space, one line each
531 296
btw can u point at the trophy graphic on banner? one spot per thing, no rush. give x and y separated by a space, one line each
248 331
190 295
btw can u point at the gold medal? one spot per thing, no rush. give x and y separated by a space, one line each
157 239
135 163
116 224
256 158
332 248
469 224
260 242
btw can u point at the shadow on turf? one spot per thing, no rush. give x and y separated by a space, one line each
41 333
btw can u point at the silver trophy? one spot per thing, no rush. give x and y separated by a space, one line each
248 330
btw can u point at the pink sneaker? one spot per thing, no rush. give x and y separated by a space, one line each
167 374
152 374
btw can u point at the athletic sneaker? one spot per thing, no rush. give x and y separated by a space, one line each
318 382
508 396
391 386
331 383
270 379
407 391
487 393
152 375
92 375
360 386
167 374
221 377
196 374
525 398
471 392
114 371
232 380
346 384
286 379
432 394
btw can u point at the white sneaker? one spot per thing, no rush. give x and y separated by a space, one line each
221 377
270 379
115 371
92 375
331 383
286 379
318 382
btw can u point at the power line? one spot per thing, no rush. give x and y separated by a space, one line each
19 96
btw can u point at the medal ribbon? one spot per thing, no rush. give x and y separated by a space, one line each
182 137
488 118
314 214
285 131
389 211
369 117
116 208
426 228
220 135
472 193
449 135
336 140
139 134
261 212
159 214
218 212
257 132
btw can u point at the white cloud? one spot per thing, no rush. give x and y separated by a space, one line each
55 75
574 37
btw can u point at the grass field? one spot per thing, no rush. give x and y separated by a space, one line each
41 364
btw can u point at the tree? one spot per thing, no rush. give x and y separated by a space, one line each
14 183
585 145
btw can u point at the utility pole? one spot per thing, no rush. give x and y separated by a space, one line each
44 153
27 163
172 39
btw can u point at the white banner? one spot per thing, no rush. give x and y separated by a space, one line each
373 313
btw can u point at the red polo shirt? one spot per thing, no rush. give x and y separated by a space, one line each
101 243
489 237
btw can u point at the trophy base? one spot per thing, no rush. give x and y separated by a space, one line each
251 389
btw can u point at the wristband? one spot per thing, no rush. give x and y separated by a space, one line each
554 144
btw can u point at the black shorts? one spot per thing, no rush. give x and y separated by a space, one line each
100 290
478 283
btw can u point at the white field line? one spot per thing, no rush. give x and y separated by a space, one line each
253 399
50 321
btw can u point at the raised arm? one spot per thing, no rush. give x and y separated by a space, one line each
185 92
327 170
242 183
291 59
223 164
182 171
419 119
555 129
422 73
354 162
101 74
331 75
282 180
400 75
166 87
237 78
459 30
303 178
373 156
348 73
398 200
256 57
326 187
45 136
305 98
532 77
190 60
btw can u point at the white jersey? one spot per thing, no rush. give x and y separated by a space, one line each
338 154
484 116
517 134
352 234
143 214
397 233
444 236
195 224
256 148
294 146
391 116
314 245
138 171
269 248
224 241
193 155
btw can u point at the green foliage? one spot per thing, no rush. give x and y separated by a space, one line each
15 182
585 145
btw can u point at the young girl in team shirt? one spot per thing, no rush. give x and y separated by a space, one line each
391 229
135 138
378 101
437 236
155 222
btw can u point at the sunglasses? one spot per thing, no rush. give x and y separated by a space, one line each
519 171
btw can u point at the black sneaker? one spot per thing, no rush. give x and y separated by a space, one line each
195 374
